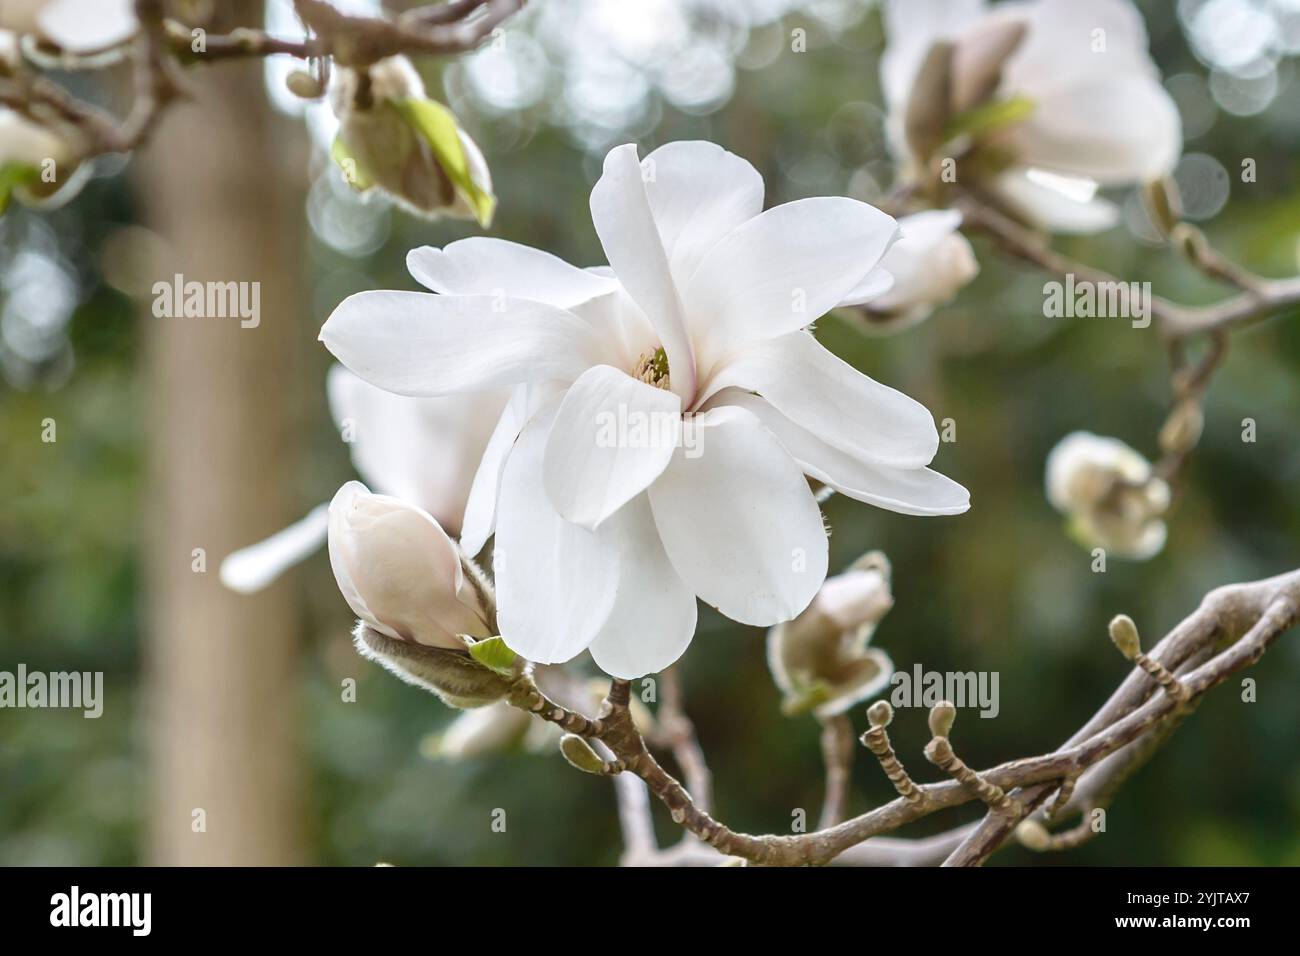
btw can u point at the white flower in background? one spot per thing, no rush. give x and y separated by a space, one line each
78 26
421 450
1061 95
37 165
394 138
1110 495
400 572
697 335
929 265
820 660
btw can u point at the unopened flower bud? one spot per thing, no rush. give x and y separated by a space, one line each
880 713
401 573
1033 836
942 716
453 676
820 660
1109 493
303 85
579 753
1125 635
37 164
394 138
929 264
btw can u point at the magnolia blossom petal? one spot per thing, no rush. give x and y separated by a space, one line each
482 265
782 270
698 193
834 401
250 569
556 582
654 615
930 263
84 26
414 343
739 522
1056 203
422 450
481 506
1067 41
1115 129
910 491
612 437
624 220
875 284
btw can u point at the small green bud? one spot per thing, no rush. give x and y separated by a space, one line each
579 753
1125 635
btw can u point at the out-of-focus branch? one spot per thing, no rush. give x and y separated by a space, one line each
837 756
165 45
1231 630
1262 299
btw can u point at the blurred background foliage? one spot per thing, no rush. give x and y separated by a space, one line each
1001 588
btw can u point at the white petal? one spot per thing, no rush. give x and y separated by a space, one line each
339 506
612 437
253 568
910 491
834 401
84 26
556 582
654 615
422 450
930 263
414 343
1060 46
481 506
620 210
699 192
482 265
739 522
1116 129
1038 197
784 269
876 283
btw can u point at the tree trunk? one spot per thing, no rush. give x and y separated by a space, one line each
222 184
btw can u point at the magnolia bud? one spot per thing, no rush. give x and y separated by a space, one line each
38 164
455 677
942 716
880 713
401 573
1033 836
929 264
1110 494
820 660
394 138
1125 635
303 85
579 753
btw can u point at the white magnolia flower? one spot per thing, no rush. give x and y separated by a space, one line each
1097 114
78 26
1109 493
400 572
37 165
393 137
929 264
696 341
820 660
421 450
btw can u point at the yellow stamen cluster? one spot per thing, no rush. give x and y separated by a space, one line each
653 369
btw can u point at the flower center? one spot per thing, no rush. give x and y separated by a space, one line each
653 369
